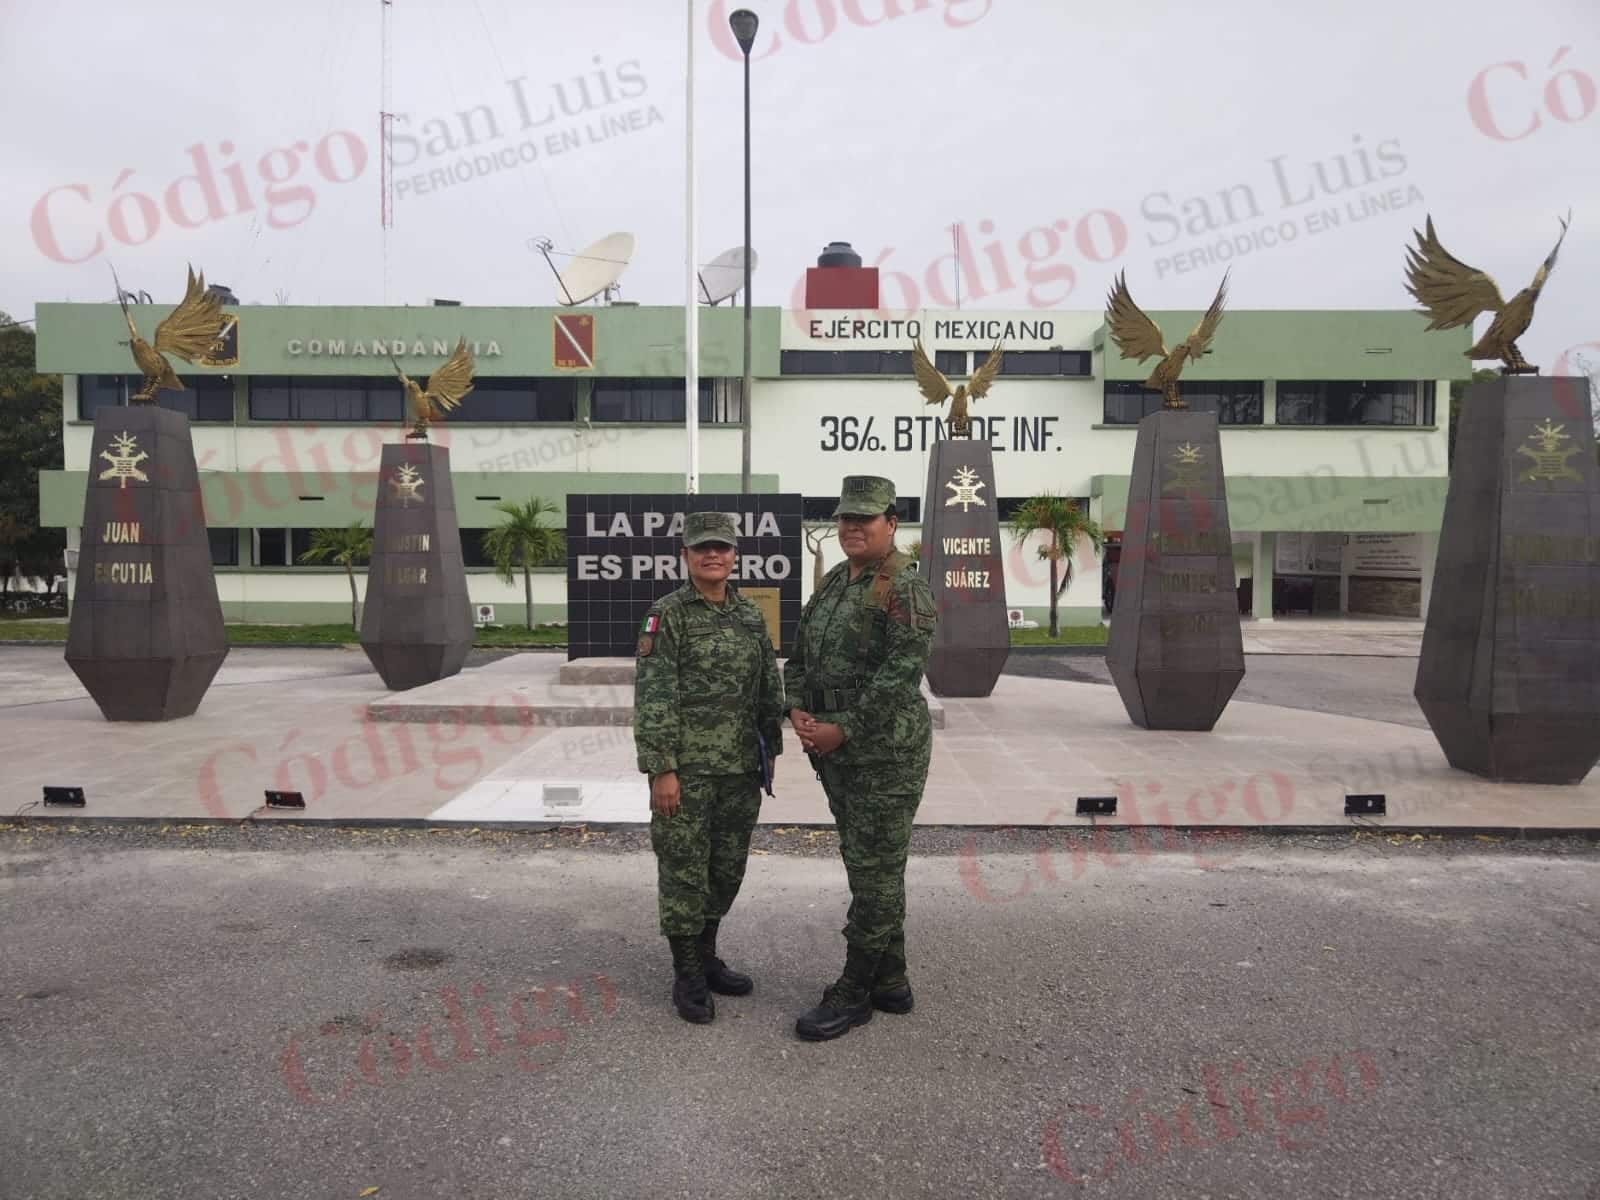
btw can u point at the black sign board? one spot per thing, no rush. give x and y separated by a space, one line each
623 555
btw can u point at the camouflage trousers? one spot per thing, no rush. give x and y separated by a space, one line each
873 808
701 850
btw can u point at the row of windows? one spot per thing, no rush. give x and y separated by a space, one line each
509 400
1071 363
284 548
1300 402
494 400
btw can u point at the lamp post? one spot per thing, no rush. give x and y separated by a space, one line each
744 23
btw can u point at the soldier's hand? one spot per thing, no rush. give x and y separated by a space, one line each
802 721
664 793
825 738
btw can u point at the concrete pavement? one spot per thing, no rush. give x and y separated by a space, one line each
250 1013
300 720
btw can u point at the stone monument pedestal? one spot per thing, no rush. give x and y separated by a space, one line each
963 564
1175 651
416 624
146 636
1509 676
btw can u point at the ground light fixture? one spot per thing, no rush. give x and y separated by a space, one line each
1097 806
1373 804
277 799
67 797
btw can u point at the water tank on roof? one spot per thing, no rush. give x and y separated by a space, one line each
838 254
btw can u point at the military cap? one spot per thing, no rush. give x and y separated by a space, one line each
864 496
701 527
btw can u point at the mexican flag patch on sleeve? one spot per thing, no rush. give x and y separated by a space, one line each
652 624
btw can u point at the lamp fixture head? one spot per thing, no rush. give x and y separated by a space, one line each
744 24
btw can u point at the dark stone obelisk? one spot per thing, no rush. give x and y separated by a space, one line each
146 634
1175 651
416 625
1509 676
961 560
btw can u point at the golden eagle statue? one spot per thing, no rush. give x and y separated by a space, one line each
1139 338
447 387
932 384
188 331
1453 294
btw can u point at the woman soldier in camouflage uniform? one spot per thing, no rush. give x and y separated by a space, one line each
854 683
706 695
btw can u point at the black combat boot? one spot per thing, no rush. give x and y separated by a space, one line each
891 989
719 977
689 995
845 1004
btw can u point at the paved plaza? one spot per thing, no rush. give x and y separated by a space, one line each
463 751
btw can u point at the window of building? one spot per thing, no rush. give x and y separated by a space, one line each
661 400
204 398
271 547
864 362
224 547
326 398
1046 362
820 509
507 400
1236 402
1355 402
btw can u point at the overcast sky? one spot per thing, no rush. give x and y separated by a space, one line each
1069 140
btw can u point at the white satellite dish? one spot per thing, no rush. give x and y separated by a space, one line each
724 275
593 270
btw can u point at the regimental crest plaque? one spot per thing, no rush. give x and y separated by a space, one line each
964 486
406 484
124 456
1186 469
1549 459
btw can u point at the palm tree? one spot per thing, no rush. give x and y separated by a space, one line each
1065 522
524 540
347 547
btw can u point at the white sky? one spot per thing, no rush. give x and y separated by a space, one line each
1023 113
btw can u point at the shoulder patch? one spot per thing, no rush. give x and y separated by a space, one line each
647 643
652 623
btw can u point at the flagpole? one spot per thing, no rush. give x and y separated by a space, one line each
691 315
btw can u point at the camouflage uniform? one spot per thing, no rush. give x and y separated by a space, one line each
707 680
857 662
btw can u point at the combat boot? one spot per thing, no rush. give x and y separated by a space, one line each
845 1004
689 994
891 989
719 977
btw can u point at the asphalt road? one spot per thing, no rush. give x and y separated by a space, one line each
1376 688
283 1013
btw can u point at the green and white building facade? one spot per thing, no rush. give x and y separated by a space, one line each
1334 432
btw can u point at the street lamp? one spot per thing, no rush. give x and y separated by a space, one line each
744 23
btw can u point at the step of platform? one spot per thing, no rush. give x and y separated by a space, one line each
535 689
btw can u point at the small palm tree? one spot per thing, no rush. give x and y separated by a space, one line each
1065 522
524 540
349 548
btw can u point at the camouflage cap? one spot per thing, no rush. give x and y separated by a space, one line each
701 527
864 496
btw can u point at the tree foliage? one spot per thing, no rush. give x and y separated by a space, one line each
348 547
30 442
524 541
1064 523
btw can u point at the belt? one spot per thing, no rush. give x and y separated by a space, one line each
831 700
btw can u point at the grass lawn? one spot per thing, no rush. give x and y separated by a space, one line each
1071 635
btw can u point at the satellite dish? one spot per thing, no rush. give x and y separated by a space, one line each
593 270
724 274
